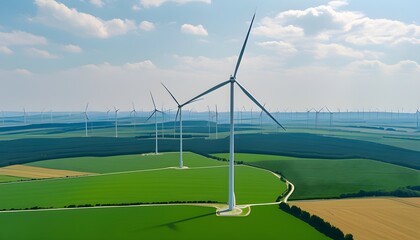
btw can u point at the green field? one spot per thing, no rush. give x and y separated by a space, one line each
164 222
4 178
194 184
126 162
321 178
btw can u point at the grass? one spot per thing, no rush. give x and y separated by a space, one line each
126 162
252 186
4 178
174 222
321 178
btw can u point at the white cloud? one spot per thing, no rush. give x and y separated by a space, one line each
147 64
72 48
22 71
280 46
158 3
147 26
58 15
338 3
38 53
327 50
6 50
194 30
328 21
97 3
21 38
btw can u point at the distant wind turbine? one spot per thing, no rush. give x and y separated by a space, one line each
417 114
317 115
217 122
232 81
86 120
155 111
116 121
178 113
24 115
134 114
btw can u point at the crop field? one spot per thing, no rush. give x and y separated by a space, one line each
126 162
5 178
326 178
372 218
163 222
193 184
37 172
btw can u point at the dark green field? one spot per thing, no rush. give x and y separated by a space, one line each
326 178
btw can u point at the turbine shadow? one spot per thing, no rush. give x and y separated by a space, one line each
172 225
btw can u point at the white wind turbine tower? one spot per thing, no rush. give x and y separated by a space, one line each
316 116
232 81
86 120
217 122
24 115
116 121
134 114
155 111
178 113
331 118
107 114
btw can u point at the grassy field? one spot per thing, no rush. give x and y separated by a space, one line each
321 178
252 186
4 178
372 218
126 162
174 222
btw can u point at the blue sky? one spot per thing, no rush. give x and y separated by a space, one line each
301 54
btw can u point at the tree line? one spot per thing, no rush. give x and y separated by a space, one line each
318 223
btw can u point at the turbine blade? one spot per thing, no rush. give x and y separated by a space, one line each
87 105
170 94
243 48
197 100
177 113
153 100
206 92
151 115
258 104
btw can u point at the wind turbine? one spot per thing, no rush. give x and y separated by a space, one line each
134 113
24 115
107 114
208 122
417 114
116 121
178 113
307 116
155 110
331 118
217 121
232 81
316 116
86 120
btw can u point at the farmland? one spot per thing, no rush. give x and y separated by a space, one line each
163 222
163 185
380 218
327 178
126 162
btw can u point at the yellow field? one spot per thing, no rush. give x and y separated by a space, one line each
37 172
372 218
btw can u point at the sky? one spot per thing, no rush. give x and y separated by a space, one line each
346 55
